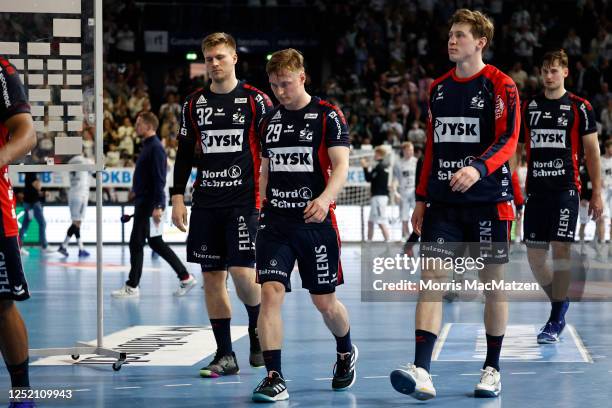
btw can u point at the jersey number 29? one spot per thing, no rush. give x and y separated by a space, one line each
274 132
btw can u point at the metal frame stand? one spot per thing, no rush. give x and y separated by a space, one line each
80 347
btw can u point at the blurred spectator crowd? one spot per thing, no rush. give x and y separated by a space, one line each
380 58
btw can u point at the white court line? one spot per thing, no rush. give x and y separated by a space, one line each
440 343
177 385
571 372
230 382
578 341
82 390
524 373
127 388
323 379
469 374
377 376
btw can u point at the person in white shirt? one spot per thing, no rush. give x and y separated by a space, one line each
78 196
404 180
606 177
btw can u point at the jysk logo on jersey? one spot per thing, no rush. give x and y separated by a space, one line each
457 130
291 159
547 138
222 141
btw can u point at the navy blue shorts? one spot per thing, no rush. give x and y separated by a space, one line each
317 251
13 284
220 238
482 231
551 216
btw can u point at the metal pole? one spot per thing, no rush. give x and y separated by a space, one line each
99 164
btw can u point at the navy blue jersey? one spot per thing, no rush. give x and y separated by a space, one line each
296 143
225 126
552 133
472 121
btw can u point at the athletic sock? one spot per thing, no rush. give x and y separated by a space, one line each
343 344
221 330
556 310
253 312
272 358
20 377
77 234
423 348
494 345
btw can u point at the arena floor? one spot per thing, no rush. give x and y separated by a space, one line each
62 310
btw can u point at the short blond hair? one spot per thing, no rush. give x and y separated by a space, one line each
289 59
480 24
406 144
382 150
551 57
214 39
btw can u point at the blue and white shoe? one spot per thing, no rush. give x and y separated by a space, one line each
414 381
551 332
63 251
489 385
83 253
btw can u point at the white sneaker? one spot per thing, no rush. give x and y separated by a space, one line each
489 385
24 252
126 291
186 285
414 381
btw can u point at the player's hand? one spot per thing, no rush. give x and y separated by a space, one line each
364 162
317 209
464 179
131 196
417 216
595 206
157 215
179 213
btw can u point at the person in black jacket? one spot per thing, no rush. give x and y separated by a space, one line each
379 181
149 203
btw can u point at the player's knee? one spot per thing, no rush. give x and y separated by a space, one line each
214 281
272 293
325 304
560 250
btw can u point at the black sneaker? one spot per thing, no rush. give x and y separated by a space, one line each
255 356
220 366
271 389
345 372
